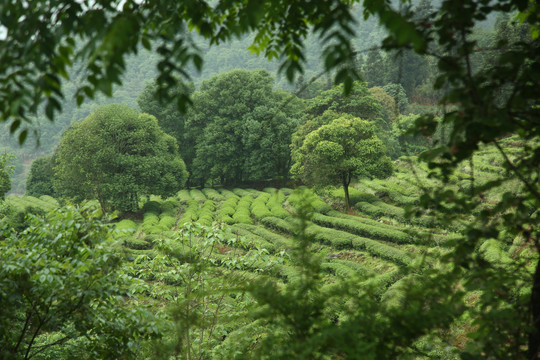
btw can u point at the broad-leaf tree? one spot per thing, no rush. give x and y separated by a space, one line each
63 292
40 179
5 171
239 129
115 155
336 153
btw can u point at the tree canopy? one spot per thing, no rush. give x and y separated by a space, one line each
115 155
61 289
336 153
238 131
5 170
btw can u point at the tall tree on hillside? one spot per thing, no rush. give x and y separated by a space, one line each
374 69
336 153
241 133
40 179
115 155
5 171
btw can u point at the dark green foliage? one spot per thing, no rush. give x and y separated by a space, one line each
5 171
152 206
117 155
58 273
336 153
40 178
239 130
137 244
400 97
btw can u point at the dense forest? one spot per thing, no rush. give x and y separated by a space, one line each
230 181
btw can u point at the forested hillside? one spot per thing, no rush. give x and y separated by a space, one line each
270 180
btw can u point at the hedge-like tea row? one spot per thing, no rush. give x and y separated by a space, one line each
339 270
183 196
355 195
191 213
253 240
213 194
167 222
50 200
380 208
152 206
169 207
279 242
318 204
286 191
394 297
22 204
259 208
124 228
344 240
227 210
253 192
359 228
275 205
227 193
363 220
197 195
278 224
137 244
206 213
242 214
242 192
150 223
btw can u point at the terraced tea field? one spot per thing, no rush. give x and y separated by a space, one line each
195 248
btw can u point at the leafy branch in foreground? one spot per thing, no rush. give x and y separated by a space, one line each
61 285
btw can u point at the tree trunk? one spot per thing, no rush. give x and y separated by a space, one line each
346 190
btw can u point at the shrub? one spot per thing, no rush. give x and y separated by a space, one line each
124 228
258 206
152 206
278 241
491 250
359 228
242 214
355 196
49 199
183 196
253 240
137 244
243 192
318 204
191 212
278 224
167 222
227 193
197 195
213 194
